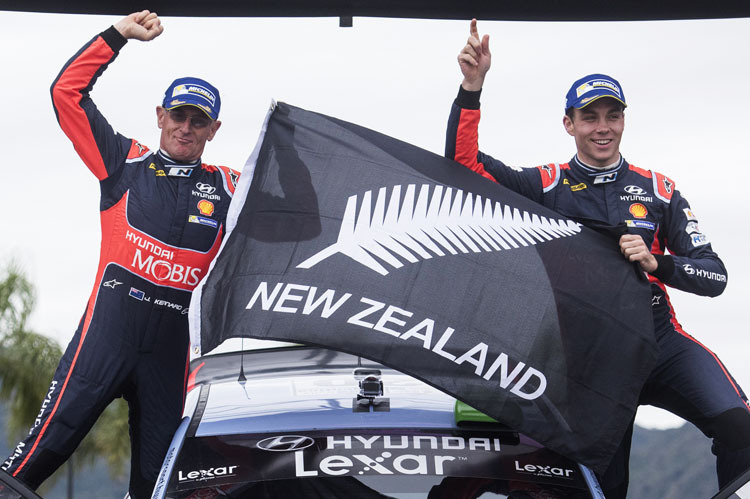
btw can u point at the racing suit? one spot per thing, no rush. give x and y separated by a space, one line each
689 380
162 223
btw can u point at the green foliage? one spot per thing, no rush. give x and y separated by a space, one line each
16 300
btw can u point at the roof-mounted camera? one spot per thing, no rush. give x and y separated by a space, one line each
370 393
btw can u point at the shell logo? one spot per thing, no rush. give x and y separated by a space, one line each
207 207
638 210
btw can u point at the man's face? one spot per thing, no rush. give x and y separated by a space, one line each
184 132
597 129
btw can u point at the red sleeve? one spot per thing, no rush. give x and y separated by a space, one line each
100 148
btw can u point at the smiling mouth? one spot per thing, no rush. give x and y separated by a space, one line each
602 142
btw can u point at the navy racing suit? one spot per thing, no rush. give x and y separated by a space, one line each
162 223
689 380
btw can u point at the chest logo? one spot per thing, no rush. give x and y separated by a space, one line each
640 224
605 178
205 188
638 210
635 190
112 284
206 207
158 173
176 171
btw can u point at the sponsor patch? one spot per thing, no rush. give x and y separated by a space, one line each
668 185
542 470
698 239
205 475
689 214
691 227
158 173
593 85
112 284
633 198
205 188
578 187
638 210
197 219
641 224
206 207
635 190
704 274
179 171
206 191
605 178
194 89
233 177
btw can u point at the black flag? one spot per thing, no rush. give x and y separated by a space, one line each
343 237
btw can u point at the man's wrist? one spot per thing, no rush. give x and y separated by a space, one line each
665 267
468 99
114 38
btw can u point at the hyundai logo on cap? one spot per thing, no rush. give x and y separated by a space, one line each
592 87
190 91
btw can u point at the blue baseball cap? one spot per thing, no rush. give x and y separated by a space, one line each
592 87
195 92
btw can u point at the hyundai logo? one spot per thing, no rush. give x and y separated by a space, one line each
285 443
635 190
205 188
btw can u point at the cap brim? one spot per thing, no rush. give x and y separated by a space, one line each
183 104
610 96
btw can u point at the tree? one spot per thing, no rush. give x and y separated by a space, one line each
27 364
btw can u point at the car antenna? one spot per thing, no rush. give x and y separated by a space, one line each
242 379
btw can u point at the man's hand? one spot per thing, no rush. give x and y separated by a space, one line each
634 249
143 25
474 59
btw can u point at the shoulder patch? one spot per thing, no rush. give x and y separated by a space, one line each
640 171
137 150
663 187
550 175
230 177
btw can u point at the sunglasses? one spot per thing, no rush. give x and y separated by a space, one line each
196 120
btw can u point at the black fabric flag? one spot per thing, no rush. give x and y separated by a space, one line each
342 237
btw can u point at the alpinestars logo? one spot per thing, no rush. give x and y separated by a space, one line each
432 225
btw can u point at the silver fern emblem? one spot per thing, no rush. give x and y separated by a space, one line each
446 222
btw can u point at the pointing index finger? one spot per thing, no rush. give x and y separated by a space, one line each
473 31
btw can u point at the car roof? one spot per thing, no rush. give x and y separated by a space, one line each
295 388
267 413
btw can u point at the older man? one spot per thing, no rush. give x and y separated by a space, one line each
162 219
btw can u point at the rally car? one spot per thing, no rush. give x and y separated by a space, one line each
300 421
10 488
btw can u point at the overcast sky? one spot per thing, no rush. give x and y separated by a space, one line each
685 83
